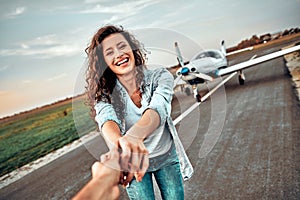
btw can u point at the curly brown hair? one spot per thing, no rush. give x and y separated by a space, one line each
100 79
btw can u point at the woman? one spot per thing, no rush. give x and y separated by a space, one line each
132 106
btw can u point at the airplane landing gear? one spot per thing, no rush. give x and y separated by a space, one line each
242 78
198 98
187 91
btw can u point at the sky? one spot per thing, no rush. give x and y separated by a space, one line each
42 42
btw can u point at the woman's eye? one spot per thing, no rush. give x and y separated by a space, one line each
123 46
108 53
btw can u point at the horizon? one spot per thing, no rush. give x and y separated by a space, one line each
43 43
66 98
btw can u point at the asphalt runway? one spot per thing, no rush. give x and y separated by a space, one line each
256 155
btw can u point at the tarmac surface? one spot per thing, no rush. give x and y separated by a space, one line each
256 155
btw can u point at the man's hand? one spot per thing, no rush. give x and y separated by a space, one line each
105 179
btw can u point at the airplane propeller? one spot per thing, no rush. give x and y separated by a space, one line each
202 76
185 71
179 56
177 80
181 63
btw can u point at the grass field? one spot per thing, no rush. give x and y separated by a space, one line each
31 135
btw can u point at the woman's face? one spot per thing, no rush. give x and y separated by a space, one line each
118 54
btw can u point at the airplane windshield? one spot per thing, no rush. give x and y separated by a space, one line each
208 54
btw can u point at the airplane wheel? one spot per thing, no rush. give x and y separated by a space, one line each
198 98
188 91
241 81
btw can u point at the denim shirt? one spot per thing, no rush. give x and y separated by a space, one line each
157 94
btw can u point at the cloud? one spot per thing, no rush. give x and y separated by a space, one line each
24 46
57 77
95 1
3 68
47 46
117 18
123 13
47 52
49 39
18 11
4 92
125 7
27 81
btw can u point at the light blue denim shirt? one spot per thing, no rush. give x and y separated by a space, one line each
157 94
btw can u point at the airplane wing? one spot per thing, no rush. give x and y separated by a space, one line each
247 64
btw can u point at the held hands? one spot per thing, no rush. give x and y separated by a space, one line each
134 158
117 166
134 155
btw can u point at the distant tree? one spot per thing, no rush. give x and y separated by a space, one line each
254 40
285 32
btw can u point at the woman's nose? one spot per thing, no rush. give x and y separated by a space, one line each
119 53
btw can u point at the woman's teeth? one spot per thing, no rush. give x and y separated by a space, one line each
122 61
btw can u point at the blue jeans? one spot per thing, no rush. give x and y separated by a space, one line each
169 181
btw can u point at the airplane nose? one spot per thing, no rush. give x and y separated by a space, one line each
185 71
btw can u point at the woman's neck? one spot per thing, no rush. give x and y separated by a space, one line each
129 82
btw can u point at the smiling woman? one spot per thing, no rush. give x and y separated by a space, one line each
132 107
101 79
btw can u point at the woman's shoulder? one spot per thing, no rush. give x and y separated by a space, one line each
156 72
155 69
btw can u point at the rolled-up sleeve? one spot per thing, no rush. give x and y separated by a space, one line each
162 94
105 112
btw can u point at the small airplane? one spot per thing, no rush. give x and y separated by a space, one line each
209 64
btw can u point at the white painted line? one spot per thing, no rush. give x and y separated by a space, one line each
188 111
185 113
253 57
239 51
217 87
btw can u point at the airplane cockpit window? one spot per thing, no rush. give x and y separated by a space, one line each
210 54
214 54
202 55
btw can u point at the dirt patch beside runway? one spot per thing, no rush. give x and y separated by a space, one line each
293 65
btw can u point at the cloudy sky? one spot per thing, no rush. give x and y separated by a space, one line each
43 42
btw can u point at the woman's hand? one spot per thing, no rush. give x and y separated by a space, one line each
134 157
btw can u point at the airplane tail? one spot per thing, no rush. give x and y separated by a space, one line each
223 48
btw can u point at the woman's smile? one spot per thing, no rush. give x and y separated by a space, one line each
122 62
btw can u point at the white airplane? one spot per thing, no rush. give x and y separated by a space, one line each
206 65
201 64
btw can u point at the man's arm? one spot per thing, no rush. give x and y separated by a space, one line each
105 179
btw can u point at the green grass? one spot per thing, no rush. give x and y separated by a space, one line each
29 136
